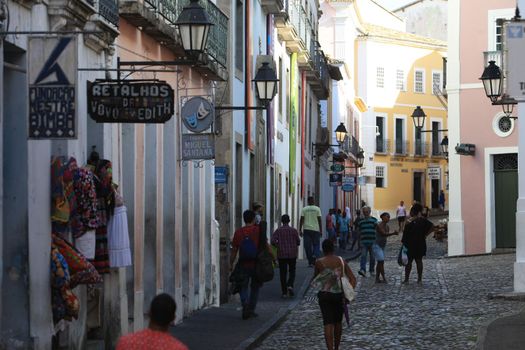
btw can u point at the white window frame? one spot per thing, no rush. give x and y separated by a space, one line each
380 78
440 73
405 136
492 16
403 82
417 70
385 173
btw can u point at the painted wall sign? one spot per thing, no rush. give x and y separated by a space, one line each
336 180
198 146
515 45
130 101
52 87
198 114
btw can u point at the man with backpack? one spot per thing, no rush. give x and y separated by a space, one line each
248 242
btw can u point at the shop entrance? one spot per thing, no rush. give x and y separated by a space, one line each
505 197
435 193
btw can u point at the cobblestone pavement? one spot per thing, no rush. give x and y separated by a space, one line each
445 312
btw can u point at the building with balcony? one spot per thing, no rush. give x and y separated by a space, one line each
484 186
392 72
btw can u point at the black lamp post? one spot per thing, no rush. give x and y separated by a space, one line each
360 159
492 81
194 26
444 146
266 83
507 103
340 133
418 116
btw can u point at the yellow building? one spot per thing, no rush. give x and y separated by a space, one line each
397 72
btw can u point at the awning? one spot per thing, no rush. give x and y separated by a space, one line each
335 72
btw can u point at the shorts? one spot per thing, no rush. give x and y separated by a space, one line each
331 233
379 253
331 305
401 219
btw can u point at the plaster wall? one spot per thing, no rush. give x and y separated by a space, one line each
426 18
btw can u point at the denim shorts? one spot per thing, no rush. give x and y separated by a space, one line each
379 253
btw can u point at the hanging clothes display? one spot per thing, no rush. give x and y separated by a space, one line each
85 244
118 239
64 303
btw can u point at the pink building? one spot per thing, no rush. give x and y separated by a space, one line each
484 186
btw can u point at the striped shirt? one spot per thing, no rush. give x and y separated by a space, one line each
367 228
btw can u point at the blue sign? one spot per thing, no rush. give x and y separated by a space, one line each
221 174
348 187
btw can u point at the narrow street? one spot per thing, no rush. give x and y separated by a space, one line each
445 312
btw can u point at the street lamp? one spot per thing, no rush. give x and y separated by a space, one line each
444 146
360 159
194 26
507 103
266 83
418 116
492 81
340 133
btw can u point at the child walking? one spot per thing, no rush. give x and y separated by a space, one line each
382 232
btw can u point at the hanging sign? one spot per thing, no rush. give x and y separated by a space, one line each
198 146
197 114
337 167
515 45
434 173
130 101
348 184
336 180
52 87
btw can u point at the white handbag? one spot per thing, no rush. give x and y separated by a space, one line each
348 290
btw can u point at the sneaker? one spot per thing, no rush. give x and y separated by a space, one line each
290 292
362 273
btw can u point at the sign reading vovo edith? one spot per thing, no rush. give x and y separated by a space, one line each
129 101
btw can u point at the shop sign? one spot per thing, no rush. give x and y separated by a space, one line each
337 167
515 45
361 180
197 114
198 146
336 180
52 87
434 173
130 101
221 174
348 184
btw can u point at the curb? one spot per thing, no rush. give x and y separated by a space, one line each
258 336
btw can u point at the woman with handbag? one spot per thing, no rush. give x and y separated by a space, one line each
334 281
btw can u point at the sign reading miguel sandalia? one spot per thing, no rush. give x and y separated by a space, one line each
130 101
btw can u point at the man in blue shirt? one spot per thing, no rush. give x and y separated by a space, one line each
367 228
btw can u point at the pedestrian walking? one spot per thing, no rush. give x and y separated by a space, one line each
287 241
330 225
355 230
414 239
337 218
247 242
344 229
258 209
367 228
442 200
401 214
382 232
327 281
312 224
349 217
156 336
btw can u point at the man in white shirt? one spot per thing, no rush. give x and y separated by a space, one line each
401 214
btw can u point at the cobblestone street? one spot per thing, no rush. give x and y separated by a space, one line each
445 312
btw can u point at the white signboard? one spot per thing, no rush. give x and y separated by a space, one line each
515 44
434 173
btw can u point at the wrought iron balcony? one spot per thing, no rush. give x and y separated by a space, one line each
496 56
108 9
421 149
318 74
295 28
272 6
382 145
157 18
401 147
436 150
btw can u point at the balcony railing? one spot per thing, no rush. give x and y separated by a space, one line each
436 150
108 9
168 11
295 15
382 145
401 147
495 56
420 148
